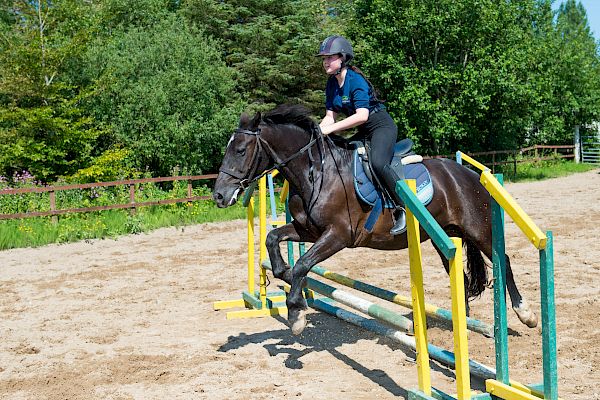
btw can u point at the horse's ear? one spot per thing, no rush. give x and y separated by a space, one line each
255 121
244 120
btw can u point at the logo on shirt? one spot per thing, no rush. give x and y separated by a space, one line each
345 99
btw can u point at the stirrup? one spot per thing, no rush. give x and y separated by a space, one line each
400 225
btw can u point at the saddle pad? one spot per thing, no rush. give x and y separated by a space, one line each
366 189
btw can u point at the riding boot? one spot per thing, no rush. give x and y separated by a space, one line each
389 179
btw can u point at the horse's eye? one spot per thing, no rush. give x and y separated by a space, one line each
241 151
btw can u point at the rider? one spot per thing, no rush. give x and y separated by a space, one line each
349 92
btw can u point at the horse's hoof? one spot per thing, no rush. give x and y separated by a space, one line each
526 316
297 321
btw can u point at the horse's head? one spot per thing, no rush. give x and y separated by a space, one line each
242 162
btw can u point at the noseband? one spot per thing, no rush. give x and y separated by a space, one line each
246 181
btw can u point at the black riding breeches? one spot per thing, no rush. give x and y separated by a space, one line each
382 133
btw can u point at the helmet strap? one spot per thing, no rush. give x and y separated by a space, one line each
342 65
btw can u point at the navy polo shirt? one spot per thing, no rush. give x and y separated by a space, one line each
356 93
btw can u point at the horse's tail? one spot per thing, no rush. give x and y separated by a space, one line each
477 278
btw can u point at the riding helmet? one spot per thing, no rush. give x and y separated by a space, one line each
336 45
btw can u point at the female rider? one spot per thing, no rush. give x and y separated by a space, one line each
349 92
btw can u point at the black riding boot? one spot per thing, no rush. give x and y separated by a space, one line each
389 180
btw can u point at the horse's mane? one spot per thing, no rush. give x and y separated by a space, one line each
293 114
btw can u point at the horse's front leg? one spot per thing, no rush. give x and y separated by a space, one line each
281 269
327 245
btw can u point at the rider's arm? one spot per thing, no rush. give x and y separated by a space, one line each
360 117
328 119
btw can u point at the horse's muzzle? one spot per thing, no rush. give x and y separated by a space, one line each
219 200
224 201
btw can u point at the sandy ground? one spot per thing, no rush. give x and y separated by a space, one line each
132 318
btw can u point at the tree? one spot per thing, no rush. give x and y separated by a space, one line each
42 128
163 93
454 72
270 44
576 91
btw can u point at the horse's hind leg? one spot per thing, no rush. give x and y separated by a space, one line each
447 268
519 304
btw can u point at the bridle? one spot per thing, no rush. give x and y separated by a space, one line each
247 180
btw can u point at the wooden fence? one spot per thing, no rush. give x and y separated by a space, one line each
501 157
132 204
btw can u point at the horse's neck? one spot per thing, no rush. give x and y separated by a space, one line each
308 172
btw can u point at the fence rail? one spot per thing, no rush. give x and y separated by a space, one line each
559 151
54 211
51 190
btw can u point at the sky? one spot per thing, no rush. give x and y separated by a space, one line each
592 7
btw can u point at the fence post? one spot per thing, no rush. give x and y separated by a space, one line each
577 145
132 210
53 206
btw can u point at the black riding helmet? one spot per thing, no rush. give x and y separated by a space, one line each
336 45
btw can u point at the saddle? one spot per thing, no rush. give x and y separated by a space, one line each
372 195
412 166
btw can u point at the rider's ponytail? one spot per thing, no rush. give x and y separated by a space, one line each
376 92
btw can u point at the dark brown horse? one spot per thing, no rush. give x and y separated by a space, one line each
328 213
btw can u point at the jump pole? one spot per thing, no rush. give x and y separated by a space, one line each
418 215
348 299
404 301
384 294
502 387
256 303
453 250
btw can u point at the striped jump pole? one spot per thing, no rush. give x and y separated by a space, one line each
348 299
442 356
404 301
452 250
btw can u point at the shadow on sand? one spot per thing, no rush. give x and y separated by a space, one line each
327 333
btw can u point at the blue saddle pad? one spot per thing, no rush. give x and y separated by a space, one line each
368 193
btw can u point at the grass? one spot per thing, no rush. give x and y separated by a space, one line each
546 170
39 231
529 170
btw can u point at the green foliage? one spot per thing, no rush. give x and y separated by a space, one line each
164 94
445 66
474 74
124 14
47 141
112 165
166 80
42 127
33 232
270 44
576 91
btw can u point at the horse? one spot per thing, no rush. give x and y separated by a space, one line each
327 212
